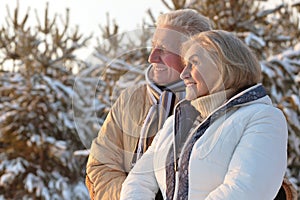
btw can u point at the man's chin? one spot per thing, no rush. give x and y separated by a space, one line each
159 83
160 80
164 79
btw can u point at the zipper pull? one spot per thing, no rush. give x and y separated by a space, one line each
176 165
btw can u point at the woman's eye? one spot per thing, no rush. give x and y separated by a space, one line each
195 62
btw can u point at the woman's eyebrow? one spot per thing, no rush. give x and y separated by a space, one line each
191 57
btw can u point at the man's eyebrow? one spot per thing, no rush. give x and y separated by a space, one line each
158 44
155 41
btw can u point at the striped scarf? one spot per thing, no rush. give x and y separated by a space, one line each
163 100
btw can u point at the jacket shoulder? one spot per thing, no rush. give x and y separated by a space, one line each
134 91
262 109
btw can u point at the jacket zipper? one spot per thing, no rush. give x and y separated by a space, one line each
177 161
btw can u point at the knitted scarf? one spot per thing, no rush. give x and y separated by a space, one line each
183 173
163 100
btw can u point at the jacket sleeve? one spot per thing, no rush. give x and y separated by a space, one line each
141 183
105 167
259 161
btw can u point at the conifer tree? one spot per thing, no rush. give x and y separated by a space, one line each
38 137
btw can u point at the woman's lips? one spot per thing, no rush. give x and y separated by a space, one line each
189 83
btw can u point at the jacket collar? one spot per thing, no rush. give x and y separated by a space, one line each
178 88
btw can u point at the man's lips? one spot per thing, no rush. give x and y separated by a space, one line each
160 69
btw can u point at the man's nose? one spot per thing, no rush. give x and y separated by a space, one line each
154 56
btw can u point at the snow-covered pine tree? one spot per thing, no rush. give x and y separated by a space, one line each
281 76
38 136
272 27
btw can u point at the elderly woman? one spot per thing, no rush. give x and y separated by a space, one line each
225 141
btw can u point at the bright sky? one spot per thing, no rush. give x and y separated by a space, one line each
89 14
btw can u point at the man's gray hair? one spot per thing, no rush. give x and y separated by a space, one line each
187 21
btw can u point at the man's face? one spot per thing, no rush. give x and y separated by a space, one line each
165 56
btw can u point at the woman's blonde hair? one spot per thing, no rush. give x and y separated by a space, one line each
187 21
237 64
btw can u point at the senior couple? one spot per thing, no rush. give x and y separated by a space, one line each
217 135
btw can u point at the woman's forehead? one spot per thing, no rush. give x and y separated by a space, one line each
193 50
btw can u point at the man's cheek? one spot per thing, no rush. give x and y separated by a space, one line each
174 62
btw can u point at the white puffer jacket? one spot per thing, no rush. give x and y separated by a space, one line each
241 156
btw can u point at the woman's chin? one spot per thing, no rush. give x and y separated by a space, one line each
190 94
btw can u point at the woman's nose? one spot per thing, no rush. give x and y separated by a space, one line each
154 56
185 72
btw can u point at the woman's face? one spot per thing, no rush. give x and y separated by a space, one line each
200 74
166 61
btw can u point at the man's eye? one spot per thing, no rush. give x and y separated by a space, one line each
164 51
160 49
